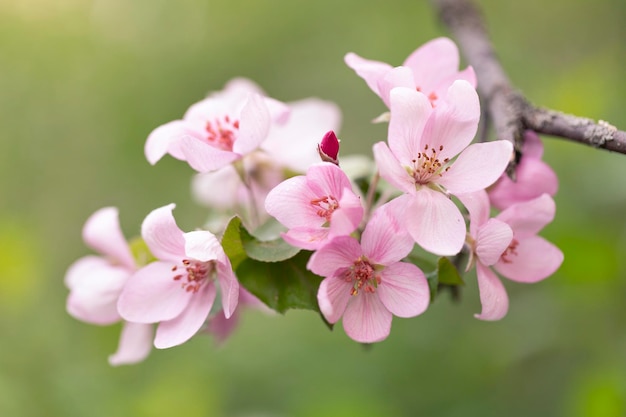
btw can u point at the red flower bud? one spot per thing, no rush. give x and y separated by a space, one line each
328 148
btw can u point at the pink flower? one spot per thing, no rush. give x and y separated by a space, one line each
366 283
178 290
316 207
419 161
533 177
219 129
95 284
431 69
525 258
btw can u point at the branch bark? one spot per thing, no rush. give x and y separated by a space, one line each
508 109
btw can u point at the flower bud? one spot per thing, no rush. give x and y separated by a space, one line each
328 148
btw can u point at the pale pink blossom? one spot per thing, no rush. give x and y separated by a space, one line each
315 208
218 130
95 284
420 161
533 177
431 69
527 258
178 290
366 283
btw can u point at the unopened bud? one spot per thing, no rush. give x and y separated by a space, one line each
328 148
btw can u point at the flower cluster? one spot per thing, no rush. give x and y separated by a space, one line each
275 167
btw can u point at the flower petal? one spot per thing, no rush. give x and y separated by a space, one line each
534 259
135 344
254 125
152 295
165 139
370 71
391 170
229 286
397 77
333 296
366 319
410 111
435 222
492 240
477 204
383 240
493 297
202 245
477 167
528 218
403 290
181 328
221 327
432 61
290 203
341 252
103 234
203 157
162 235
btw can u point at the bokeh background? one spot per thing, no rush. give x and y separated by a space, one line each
83 82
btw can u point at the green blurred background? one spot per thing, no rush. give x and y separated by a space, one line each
83 82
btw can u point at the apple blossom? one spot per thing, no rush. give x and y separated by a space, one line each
316 207
431 69
419 161
95 284
366 283
178 290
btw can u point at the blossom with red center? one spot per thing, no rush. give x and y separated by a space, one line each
509 244
366 283
95 284
533 177
219 129
430 69
315 208
178 290
421 160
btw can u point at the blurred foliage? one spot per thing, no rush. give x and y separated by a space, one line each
82 83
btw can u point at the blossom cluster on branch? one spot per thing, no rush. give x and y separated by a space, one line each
293 225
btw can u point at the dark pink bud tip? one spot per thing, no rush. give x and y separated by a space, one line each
329 147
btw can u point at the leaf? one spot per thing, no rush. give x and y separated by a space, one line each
276 250
232 244
447 273
281 285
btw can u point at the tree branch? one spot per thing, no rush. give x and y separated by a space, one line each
508 109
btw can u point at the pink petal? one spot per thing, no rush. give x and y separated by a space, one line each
326 179
403 290
493 297
135 344
535 259
441 87
435 223
103 234
454 121
162 235
165 139
347 217
478 166
492 240
203 157
370 71
391 170
384 241
181 328
432 61
254 125
226 179
152 295
533 147
202 245
309 238
221 327
333 296
290 203
308 121
397 77
340 253
410 111
528 218
477 204
229 286
366 319
95 285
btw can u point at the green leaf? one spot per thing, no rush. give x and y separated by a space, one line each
276 250
281 285
447 273
232 244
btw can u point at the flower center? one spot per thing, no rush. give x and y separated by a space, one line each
431 96
511 251
428 165
195 274
362 275
222 132
325 206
